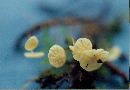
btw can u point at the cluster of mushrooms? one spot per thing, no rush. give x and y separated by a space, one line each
90 59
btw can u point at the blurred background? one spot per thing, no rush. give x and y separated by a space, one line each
105 22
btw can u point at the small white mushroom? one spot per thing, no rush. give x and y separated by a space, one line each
89 61
92 60
102 55
31 43
57 56
115 53
79 47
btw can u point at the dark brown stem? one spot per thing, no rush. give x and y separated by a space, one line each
117 71
37 28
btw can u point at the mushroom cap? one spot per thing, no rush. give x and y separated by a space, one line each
57 56
31 43
79 47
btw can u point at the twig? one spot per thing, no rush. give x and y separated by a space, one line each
37 28
117 71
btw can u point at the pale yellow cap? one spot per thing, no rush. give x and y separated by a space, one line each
81 45
89 61
31 43
57 56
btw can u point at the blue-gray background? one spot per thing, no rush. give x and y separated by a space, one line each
18 15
